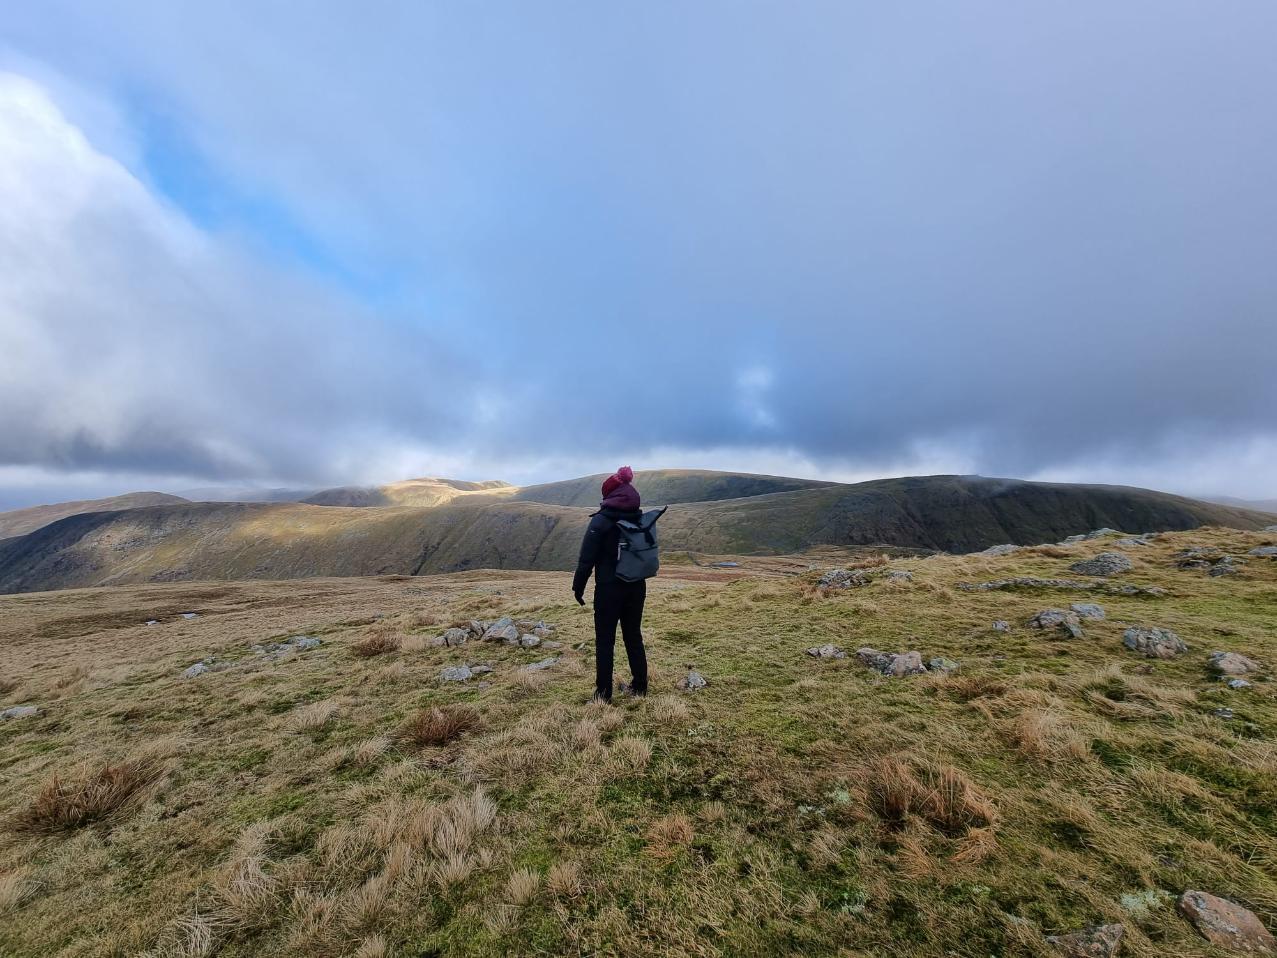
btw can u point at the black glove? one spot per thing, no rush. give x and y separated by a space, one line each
580 597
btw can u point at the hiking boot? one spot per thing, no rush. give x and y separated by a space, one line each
629 688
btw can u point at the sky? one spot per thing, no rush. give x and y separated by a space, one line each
270 244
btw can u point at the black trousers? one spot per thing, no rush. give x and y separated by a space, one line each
619 602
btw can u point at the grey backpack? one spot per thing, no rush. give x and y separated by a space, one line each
637 554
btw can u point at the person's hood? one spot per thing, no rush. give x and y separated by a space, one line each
624 498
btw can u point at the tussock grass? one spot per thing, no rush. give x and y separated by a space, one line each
88 795
795 805
440 725
379 642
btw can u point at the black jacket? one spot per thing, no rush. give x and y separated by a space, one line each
600 546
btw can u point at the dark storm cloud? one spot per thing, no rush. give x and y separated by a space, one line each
1017 238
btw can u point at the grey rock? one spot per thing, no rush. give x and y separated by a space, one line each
508 634
19 712
1155 643
1231 663
1266 551
844 579
1130 542
529 641
897 575
1061 621
190 615
456 673
1098 941
198 669
896 664
1101 533
478 627
1003 550
1150 590
551 644
451 638
725 565
1072 539
1227 565
693 681
826 652
1224 713
1001 625
1226 924
480 669
1238 684
542 665
938 663
1270 528
1104 564
304 642
1088 610
152 622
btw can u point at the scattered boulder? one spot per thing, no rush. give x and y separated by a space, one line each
480 669
1237 684
196 670
1224 713
190 615
896 664
456 673
1231 663
1104 564
18 712
1155 643
503 630
1088 610
551 644
298 643
693 681
844 579
303 642
529 641
1066 623
1098 941
1025 582
452 638
1226 924
1269 552
826 652
542 665
938 663
1001 625
897 575
1003 550
152 621
1134 541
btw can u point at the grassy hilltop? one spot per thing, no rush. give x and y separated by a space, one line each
345 800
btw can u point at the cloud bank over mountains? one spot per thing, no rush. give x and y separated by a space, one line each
840 241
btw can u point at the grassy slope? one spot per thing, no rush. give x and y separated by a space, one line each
426 493
664 486
19 522
748 818
290 540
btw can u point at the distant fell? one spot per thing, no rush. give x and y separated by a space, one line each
666 486
488 525
426 492
21 521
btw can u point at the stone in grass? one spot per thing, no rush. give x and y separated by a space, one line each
456 673
1269 552
1003 550
1106 563
1231 663
897 575
693 681
1088 610
1224 713
826 652
196 670
303 642
1227 565
1001 625
451 638
1227 924
190 615
1065 622
938 663
529 641
1238 684
896 664
1098 941
502 630
1155 643
844 579
19 712
152 621
542 665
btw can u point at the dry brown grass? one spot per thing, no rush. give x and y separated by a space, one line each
379 642
440 725
563 880
668 835
522 886
312 717
89 795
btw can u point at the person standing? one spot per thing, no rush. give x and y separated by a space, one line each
615 600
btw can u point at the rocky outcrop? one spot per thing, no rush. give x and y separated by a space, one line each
692 681
1066 624
1155 643
844 579
826 652
895 664
1231 663
1104 564
1098 941
1088 610
1227 924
